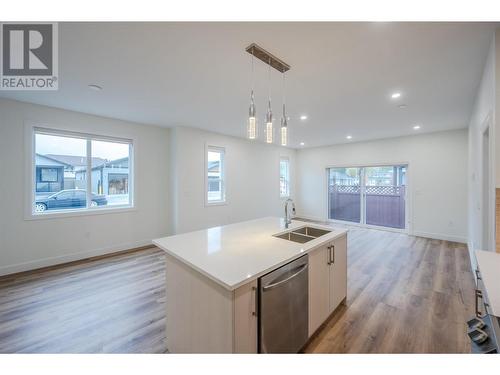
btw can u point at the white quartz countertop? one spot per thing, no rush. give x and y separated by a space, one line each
489 267
235 254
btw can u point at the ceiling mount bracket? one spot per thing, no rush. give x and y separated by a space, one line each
268 58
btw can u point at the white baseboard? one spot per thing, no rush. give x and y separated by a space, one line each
52 261
472 258
435 236
440 236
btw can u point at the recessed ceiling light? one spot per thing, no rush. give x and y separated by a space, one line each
95 87
402 106
396 95
302 143
303 117
349 137
416 127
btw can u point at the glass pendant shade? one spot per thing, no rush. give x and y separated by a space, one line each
269 125
252 128
269 132
284 128
284 136
252 121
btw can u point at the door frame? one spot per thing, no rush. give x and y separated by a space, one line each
408 197
487 203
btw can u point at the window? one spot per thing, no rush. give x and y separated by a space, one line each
48 175
80 172
215 188
118 184
284 177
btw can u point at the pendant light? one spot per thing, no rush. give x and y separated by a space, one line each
252 119
252 125
269 115
284 122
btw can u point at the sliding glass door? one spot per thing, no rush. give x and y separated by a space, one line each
385 196
344 194
368 195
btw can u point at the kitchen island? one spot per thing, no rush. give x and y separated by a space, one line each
213 278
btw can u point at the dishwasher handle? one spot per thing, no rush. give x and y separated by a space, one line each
272 286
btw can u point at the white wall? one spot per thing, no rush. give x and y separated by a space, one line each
252 179
437 178
170 185
28 244
482 116
169 191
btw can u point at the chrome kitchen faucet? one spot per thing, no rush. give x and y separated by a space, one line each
288 213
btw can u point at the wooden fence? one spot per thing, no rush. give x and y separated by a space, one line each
385 205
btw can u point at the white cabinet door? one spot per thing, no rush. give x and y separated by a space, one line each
338 273
319 288
245 318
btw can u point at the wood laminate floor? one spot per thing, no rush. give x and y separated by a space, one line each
112 305
405 295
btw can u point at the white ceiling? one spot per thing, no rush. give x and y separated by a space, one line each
342 75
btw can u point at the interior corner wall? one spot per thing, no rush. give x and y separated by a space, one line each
495 50
251 177
28 244
173 181
483 115
437 178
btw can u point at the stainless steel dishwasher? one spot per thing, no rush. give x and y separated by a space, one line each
284 313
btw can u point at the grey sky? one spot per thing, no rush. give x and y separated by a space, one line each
50 144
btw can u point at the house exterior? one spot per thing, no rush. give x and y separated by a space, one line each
76 163
377 176
58 172
108 178
214 176
386 176
338 177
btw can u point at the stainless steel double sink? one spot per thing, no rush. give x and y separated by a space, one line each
302 235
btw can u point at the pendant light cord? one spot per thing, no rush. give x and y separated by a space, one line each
253 79
283 93
269 74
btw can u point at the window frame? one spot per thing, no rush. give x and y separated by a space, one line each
287 160
222 151
33 128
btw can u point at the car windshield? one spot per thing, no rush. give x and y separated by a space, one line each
54 195
62 192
